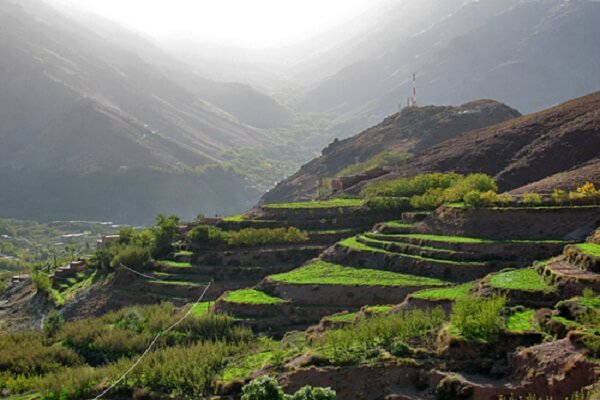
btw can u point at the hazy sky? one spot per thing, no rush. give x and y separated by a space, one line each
256 23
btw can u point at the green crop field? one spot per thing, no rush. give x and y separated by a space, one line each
356 245
523 321
201 308
460 239
324 273
589 248
449 293
319 204
251 296
175 264
234 218
520 279
397 224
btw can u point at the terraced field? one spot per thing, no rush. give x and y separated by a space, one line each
250 296
325 273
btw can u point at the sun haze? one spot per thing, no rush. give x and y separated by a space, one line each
257 23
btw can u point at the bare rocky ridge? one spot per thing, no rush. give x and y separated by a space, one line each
411 131
565 138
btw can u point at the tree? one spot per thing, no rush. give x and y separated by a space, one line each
53 323
263 388
167 227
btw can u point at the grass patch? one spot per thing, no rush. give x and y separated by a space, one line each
347 317
244 366
520 279
319 204
523 321
450 293
201 308
251 296
184 253
591 249
397 224
379 309
324 273
353 243
234 218
460 239
175 264
174 283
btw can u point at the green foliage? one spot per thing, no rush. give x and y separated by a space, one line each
206 234
258 237
263 388
386 204
356 342
311 393
522 321
324 273
526 279
560 196
333 203
412 186
251 296
132 256
450 293
53 323
592 249
383 159
478 319
532 199
167 227
41 281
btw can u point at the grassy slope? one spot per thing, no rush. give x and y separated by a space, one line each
460 239
450 293
319 204
324 273
589 248
251 296
520 279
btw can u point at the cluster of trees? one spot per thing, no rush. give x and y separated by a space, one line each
205 234
267 388
428 191
137 248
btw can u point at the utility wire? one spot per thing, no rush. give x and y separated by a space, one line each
170 328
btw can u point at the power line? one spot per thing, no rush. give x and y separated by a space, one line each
170 328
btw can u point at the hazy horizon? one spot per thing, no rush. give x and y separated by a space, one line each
261 24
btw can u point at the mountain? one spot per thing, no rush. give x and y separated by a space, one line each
409 132
77 100
557 147
527 53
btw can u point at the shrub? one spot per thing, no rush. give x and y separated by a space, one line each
132 256
388 203
430 200
257 237
206 234
560 196
476 318
53 323
473 182
311 393
41 281
472 199
532 198
263 388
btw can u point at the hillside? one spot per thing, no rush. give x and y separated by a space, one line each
530 54
409 132
523 150
94 99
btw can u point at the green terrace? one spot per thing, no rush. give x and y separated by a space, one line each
397 224
201 308
334 203
591 249
450 293
324 273
175 264
354 244
460 239
522 321
526 279
251 296
350 317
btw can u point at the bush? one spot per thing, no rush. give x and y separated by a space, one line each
532 198
53 323
388 203
560 196
430 200
310 393
264 388
410 186
257 237
472 199
132 256
41 281
206 234
476 318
